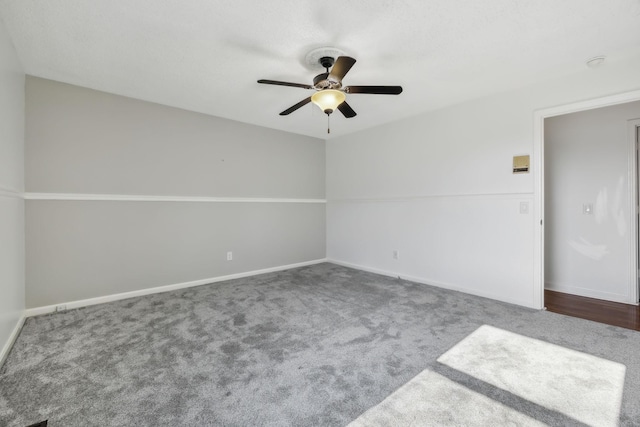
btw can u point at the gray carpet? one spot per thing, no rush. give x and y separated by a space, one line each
314 346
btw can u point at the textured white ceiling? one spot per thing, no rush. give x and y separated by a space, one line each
206 55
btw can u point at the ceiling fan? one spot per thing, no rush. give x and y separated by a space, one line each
328 86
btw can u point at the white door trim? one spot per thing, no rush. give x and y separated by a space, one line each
538 171
633 126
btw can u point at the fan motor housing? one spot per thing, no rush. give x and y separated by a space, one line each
322 81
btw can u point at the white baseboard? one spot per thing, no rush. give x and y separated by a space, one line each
12 339
435 283
364 268
115 297
589 293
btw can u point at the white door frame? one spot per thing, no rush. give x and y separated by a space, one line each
634 143
538 172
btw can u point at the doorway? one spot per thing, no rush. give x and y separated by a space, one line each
539 192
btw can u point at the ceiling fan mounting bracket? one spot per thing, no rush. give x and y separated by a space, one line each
327 61
313 59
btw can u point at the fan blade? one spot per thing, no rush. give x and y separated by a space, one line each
378 90
279 83
341 67
346 110
295 107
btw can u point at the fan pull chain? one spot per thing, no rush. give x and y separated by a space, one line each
328 124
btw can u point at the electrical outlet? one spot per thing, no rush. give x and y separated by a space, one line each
61 307
229 256
396 254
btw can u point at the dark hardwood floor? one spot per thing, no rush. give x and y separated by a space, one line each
611 313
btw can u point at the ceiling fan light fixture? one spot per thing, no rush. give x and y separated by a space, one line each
328 99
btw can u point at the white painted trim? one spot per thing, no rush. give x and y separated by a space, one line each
585 292
115 297
538 161
385 199
422 280
606 101
12 339
8 192
633 188
140 198
538 213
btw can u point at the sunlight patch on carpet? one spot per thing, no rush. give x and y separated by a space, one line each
578 385
430 399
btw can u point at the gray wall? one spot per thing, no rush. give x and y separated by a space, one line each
11 187
83 141
80 142
587 162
